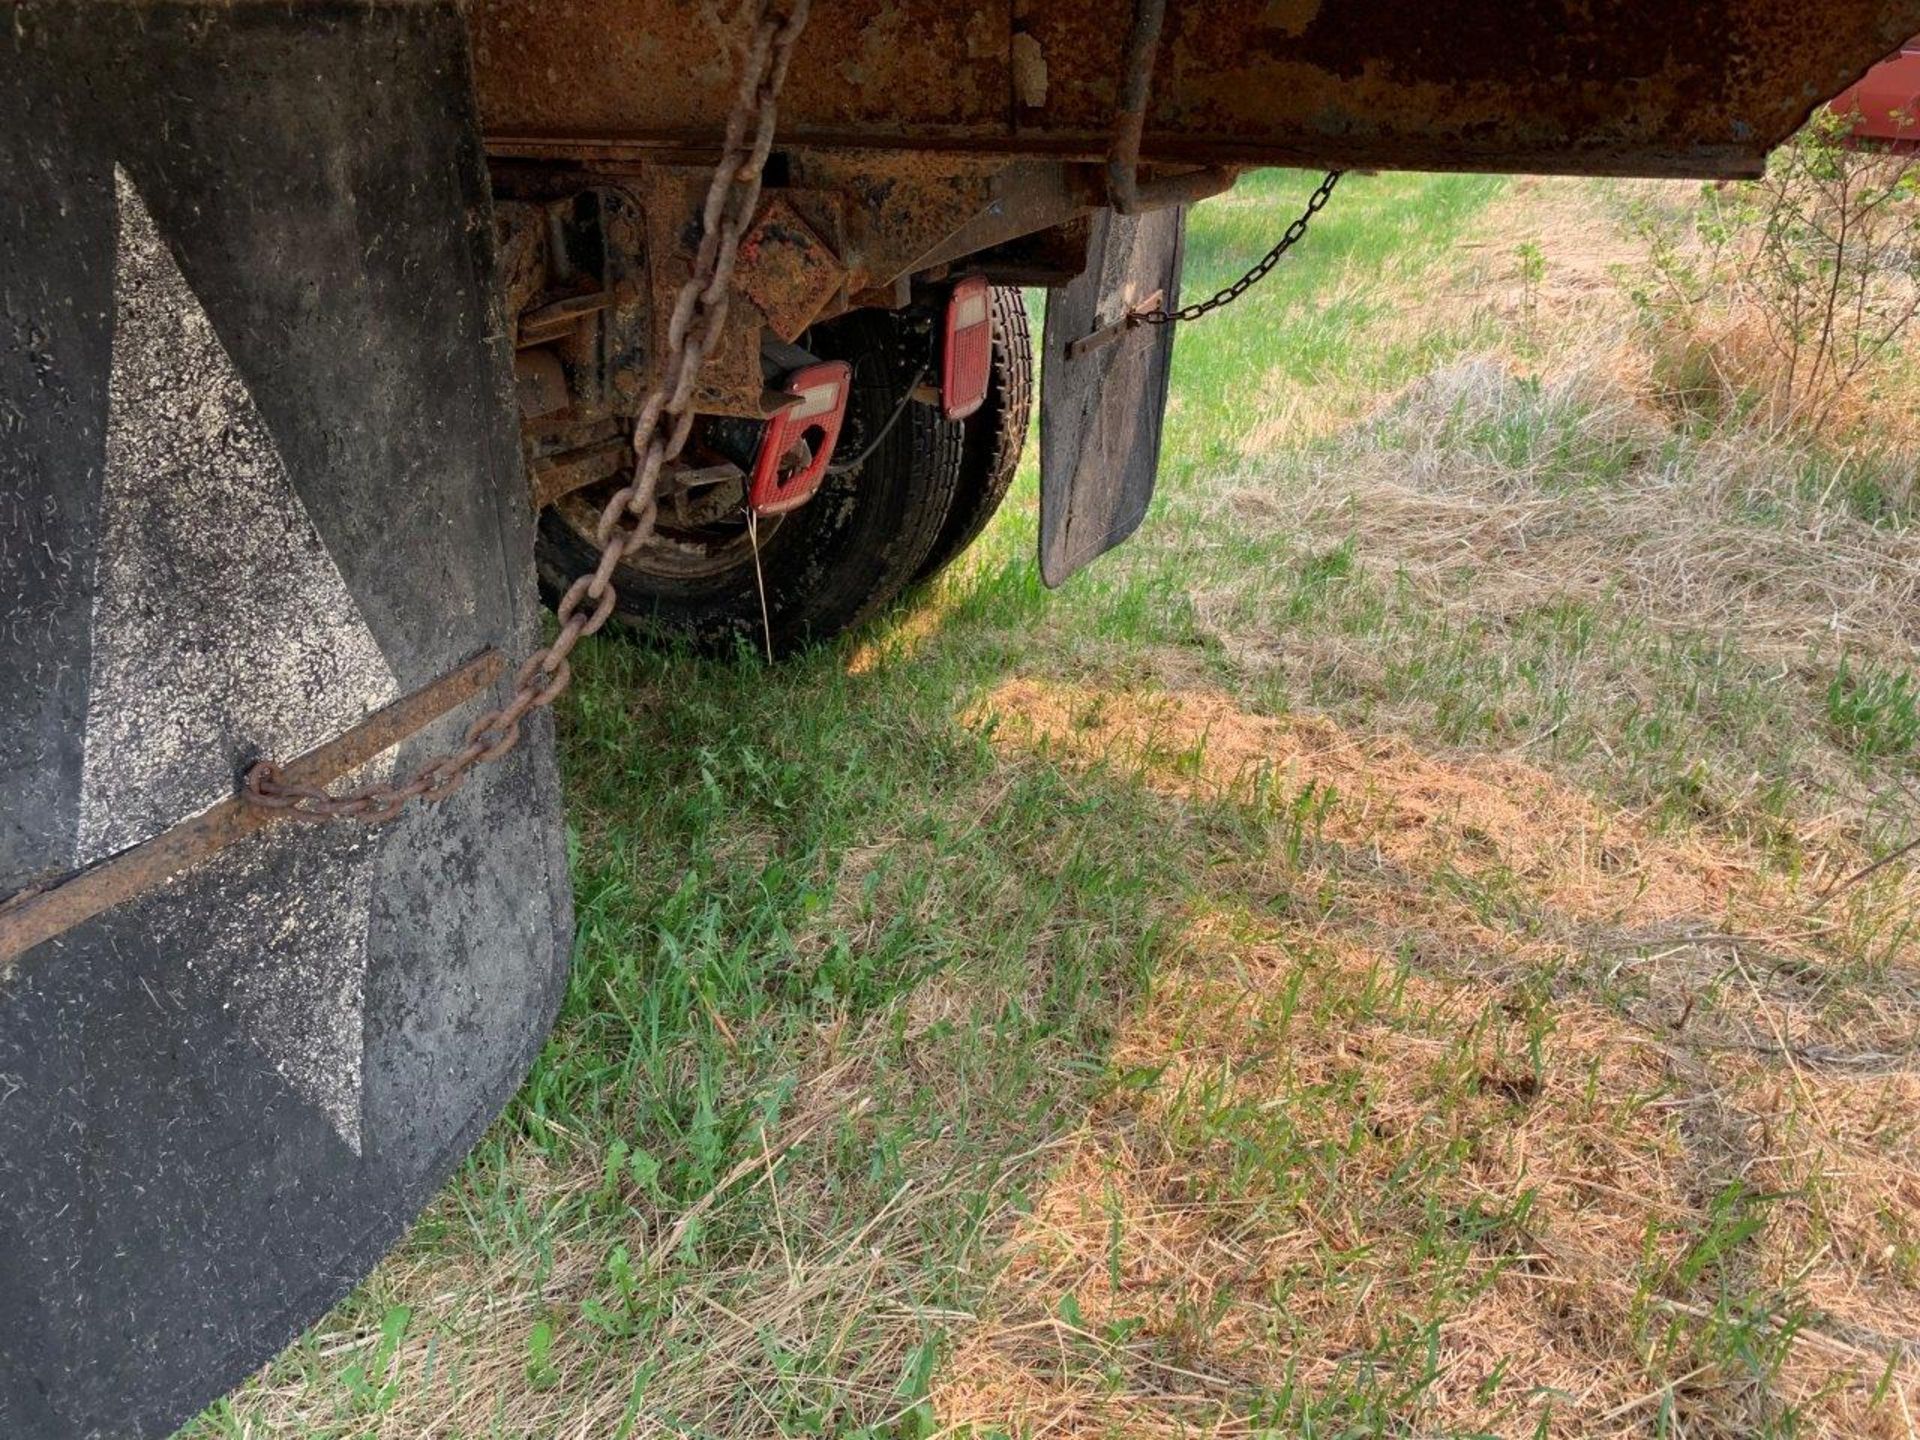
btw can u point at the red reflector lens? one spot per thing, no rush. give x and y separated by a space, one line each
966 355
784 475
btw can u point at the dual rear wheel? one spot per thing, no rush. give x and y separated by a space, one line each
922 490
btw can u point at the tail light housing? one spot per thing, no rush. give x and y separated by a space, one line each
780 481
966 351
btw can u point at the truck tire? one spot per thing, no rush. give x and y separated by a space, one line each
996 434
827 566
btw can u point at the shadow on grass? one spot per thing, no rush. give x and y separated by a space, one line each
842 978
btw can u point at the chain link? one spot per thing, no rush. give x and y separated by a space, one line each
699 315
1296 232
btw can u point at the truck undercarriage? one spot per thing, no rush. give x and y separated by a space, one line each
333 335
919 145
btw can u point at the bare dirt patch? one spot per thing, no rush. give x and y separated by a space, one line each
1477 815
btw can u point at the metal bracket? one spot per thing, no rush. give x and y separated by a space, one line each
39 913
557 476
1108 334
1126 191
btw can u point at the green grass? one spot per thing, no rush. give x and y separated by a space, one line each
1325 318
1874 711
862 973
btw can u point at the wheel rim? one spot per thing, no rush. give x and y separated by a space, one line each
704 538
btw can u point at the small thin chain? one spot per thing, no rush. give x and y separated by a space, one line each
659 432
1296 232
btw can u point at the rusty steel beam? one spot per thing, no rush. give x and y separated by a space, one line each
1127 193
843 224
42 912
1626 87
555 477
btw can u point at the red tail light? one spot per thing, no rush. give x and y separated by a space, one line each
966 356
784 474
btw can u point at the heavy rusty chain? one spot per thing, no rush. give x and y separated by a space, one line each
659 432
1296 232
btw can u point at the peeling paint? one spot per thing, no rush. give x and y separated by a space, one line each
1564 85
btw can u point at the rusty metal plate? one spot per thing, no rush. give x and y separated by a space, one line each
786 269
1626 87
1103 389
260 493
1629 87
588 67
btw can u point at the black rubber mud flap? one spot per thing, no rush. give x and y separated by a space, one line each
259 480
1103 389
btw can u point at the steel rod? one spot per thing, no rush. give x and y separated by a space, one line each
38 914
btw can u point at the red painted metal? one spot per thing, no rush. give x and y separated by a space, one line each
1885 105
820 408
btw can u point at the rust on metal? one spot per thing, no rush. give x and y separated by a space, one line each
558 476
39 914
1629 87
1108 334
1130 117
906 205
848 228
590 67
1181 187
1020 199
548 323
787 270
1126 191
729 379
539 384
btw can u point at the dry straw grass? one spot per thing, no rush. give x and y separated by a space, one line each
842 1287
1663 543
1657 1087
1260 1215
1550 466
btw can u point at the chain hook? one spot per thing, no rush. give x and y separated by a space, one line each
1296 232
659 432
